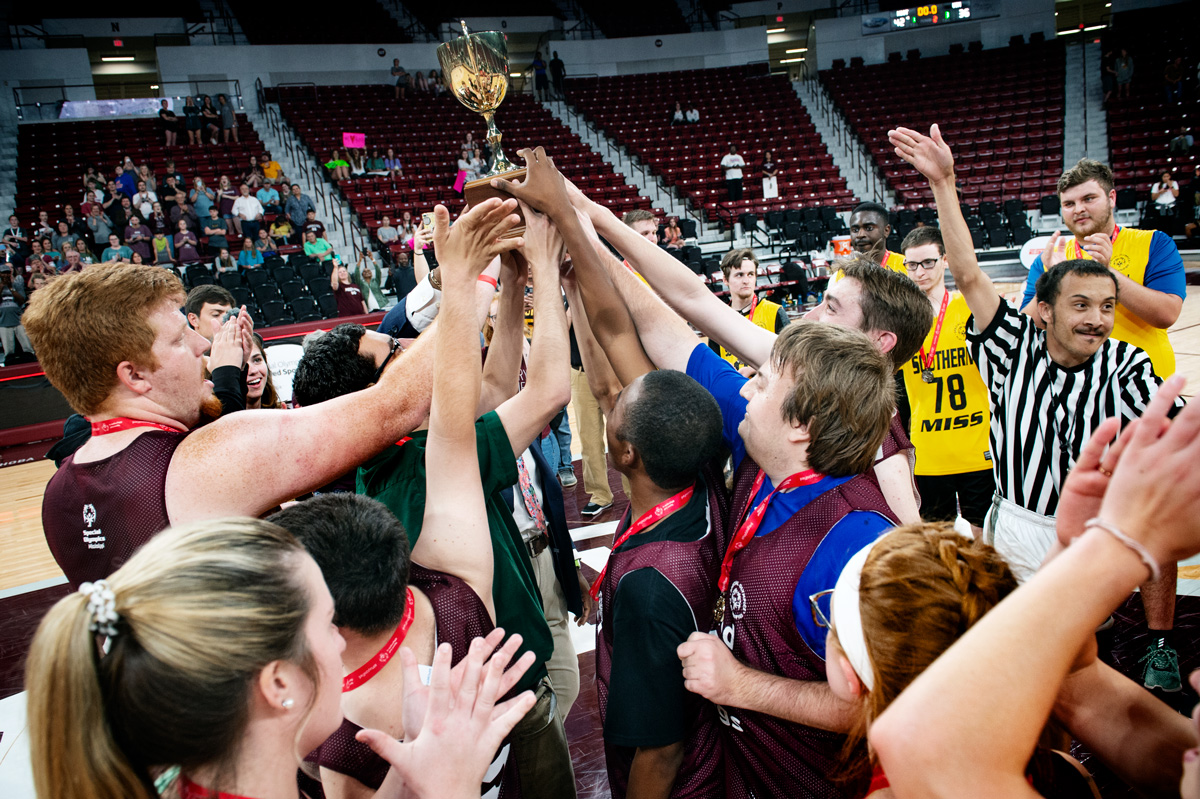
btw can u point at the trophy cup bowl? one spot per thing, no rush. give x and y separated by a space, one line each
475 67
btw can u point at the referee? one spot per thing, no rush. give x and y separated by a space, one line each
1049 390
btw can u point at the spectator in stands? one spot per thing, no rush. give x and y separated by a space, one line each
12 304
97 224
1124 73
116 251
386 234
43 228
162 248
168 123
229 125
317 248
201 197
215 228
71 261
89 199
770 171
126 180
192 121
137 237
159 222
92 179
85 254
1164 193
677 114
732 163
271 170
16 240
358 161
226 196
1108 75
464 171
421 83
224 262
672 233
435 83
212 120
169 171
268 197
143 201
36 281
182 212
558 71
169 189
350 300
541 83
253 174
375 164
1173 78
392 164
870 227
260 388
313 225
247 214
74 223
367 279
63 234
187 246
1181 144
249 257
146 175
339 167
298 205
265 245
407 228
401 77
282 230
123 215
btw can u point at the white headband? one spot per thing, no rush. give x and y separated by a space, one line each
846 616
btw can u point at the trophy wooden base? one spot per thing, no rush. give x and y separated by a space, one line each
476 191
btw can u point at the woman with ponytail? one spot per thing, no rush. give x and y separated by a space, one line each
213 650
897 606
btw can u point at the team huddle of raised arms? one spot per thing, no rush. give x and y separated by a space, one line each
786 609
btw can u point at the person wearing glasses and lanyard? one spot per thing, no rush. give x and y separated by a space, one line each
946 396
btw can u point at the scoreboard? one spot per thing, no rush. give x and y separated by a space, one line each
928 15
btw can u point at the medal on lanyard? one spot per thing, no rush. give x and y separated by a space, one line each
927 363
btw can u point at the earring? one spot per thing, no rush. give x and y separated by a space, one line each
288 704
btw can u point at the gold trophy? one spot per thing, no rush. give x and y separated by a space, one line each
475 67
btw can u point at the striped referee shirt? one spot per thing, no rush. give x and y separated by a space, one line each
1043 413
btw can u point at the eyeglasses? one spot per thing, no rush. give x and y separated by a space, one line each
392 351
927 264
819 617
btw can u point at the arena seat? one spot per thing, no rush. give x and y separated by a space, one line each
426 135
1001 110
738 105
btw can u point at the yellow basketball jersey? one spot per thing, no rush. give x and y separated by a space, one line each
891 260
764 315
1131 254
950 416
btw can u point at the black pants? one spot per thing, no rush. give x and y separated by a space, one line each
945 496
734 187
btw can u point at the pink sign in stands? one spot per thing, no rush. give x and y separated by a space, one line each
354 140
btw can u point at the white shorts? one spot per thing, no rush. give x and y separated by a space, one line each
1021 536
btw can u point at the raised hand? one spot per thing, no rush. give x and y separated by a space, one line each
1099 246
544 248
1055 251
1089 480
544 187
229 344
930 155
474 241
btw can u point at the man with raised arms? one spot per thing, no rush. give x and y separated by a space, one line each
141 384
1049 390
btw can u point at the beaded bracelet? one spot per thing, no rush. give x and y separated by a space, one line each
1136 546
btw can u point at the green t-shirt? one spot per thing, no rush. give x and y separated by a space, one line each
396 477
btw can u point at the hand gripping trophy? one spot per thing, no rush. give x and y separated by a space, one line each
475 67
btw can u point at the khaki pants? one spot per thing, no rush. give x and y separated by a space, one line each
591 439
563 665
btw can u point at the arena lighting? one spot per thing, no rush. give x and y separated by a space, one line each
117 58
1072 30
789 60
514 74
1096 28
776 30
154 86
798 50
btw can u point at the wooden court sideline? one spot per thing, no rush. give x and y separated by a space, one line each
28 561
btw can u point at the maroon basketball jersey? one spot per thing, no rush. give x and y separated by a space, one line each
96 515
896 440
770 757
459 617
691 567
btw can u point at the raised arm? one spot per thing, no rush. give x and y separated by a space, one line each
666 338
602 379
548 387
942 732
457 540
247 463
508 339
931 156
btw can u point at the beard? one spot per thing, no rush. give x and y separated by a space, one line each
210 409
1097 224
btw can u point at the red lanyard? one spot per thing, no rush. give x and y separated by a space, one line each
1080 252
656 514
927 364
753 305
403 441
750 526
190 790
381 658
123 423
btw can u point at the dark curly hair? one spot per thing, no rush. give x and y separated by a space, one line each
332 366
